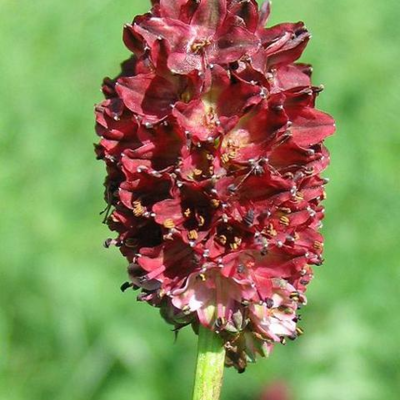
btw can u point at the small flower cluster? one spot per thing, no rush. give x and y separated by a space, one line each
214 151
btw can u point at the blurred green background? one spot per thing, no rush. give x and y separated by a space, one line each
67 332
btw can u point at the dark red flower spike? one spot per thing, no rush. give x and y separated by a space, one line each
214 151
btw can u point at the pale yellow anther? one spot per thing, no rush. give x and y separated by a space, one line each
222 239
215 203
309 171
201 220
197 46
225 158
295 296
271 230
299 196
284 220
299 331
193 235
187 213
169 223
210 156
232 154
138 209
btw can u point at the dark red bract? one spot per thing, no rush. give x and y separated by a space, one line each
214 151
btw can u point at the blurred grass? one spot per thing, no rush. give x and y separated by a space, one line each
66 332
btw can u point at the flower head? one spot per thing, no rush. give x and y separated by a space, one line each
214 151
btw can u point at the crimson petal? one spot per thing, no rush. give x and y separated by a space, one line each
147 95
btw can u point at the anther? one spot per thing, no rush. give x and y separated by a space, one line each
241 269
284 220
249 218
141 168
193 235
269 303
295 296
299 331
201 221
222 239
125 286
215 203
169 223
109 242
186 310
232 188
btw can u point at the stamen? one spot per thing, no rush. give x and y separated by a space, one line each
125 286
193 235
138 209
169 223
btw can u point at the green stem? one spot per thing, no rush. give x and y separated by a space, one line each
210 366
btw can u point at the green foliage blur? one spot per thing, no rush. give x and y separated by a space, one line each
67 332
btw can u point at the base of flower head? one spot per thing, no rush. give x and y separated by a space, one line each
248 324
